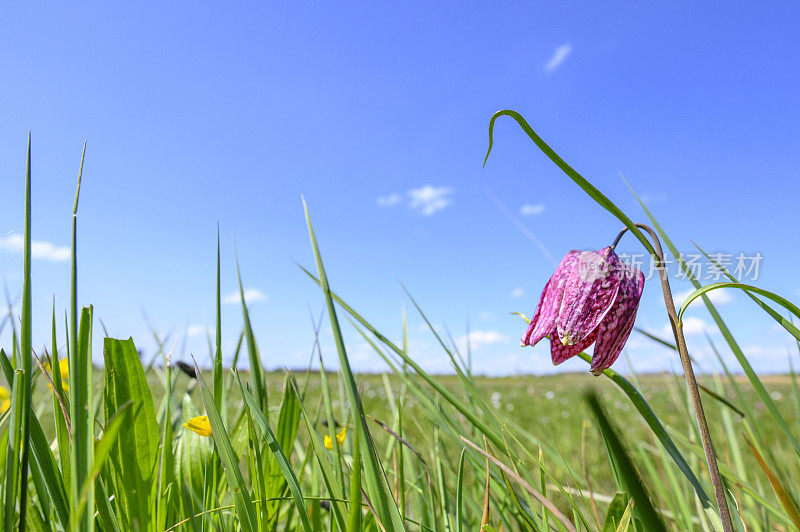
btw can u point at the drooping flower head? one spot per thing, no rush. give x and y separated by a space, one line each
591 298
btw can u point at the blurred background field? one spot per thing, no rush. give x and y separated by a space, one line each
551 407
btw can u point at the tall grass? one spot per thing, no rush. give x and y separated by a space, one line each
313 450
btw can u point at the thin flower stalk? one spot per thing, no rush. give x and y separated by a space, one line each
691 381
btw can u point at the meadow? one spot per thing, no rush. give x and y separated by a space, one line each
154 445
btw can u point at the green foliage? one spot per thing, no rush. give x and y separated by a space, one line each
135 453
420 451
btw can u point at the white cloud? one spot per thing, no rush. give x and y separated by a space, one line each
517 293
559 56
389 200
648 197
429 200
479 339
718 297
251 295
198 330
691 326
486 316
40 249
531 209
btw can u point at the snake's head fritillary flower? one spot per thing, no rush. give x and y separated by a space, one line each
200 425
592 298
340 436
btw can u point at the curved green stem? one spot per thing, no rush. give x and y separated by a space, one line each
581 181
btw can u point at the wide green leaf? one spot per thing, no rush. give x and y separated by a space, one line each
135 451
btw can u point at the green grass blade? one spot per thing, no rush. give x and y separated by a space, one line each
354 520
786 324
286 433
218 337
105 513
80 371
630 477
239 493
441 389
62 434
328 476
13 450
104 448
252 349
135 452
331 419
192 456
166 459
655 425
26 327
460 492
526 485
752 376
788 305
778 484
383 501
587 187
51 476
80 402
280 456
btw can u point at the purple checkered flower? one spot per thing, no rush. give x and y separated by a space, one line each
592 298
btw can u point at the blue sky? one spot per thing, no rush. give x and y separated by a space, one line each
378 114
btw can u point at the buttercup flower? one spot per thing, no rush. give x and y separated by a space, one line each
5 399
342 434
592 298
63 369
200 425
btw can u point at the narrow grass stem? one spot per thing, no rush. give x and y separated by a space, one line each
688 373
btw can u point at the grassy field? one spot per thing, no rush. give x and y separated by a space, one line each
146 447
552 409
549 410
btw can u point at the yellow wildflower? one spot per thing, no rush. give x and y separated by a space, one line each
200 425
339 439
5 399
63 369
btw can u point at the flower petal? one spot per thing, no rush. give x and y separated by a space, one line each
550 301
63 368
616 327
199 425
589 293
340 437
561 352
